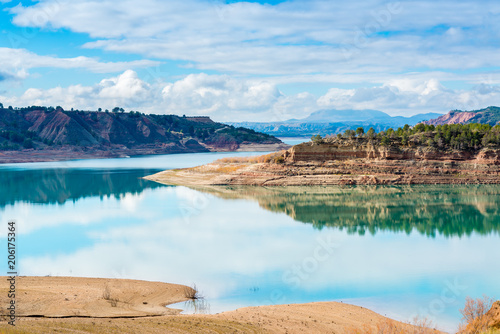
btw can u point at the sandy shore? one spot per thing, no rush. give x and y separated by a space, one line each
92 297
97 305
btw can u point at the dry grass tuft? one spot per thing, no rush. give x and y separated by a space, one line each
275 157
106 295
474 315
192 293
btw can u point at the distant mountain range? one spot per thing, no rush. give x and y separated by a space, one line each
50 128
490 115
325 122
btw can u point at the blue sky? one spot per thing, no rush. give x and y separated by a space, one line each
258 60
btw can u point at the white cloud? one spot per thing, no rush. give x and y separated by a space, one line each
196 94
202 94
225 98
219 96
17 62
404 54
407 97
326 37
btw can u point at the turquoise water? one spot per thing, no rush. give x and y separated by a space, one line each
401 251
295 140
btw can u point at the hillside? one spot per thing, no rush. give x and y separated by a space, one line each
490 115
43 129
327 122
424 154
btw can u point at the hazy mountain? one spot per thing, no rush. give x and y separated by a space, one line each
337 116
325 122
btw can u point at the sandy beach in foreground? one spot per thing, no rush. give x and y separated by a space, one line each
100 305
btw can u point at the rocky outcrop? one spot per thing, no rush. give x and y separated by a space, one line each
490 115
453 117
347 151
347 163
49 129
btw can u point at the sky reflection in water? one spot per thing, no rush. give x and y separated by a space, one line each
401 251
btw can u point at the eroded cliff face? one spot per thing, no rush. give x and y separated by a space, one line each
55 134
348 162
453 117
311 152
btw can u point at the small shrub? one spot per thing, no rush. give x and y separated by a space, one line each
279 159
474 318
317 139
192 292
106 295
252 160
28 143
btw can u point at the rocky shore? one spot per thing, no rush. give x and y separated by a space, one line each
347 162
72 153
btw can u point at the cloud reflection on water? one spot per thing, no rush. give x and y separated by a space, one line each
241 245
237 252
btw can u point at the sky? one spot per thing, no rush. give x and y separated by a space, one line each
251 61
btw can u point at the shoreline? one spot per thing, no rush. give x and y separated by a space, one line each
341 164
29 156
345 173
66 302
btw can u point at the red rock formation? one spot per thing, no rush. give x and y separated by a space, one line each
453 117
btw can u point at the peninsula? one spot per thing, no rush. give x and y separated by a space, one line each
423 154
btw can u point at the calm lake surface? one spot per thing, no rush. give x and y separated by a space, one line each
401 251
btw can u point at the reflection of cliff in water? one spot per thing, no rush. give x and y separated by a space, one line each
451 210
61 185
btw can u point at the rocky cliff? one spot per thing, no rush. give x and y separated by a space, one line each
118 133
348 162
349 150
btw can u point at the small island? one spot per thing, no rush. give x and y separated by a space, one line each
423 154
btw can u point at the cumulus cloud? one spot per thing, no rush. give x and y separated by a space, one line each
219 96
125 90
225 98
201 93
407 97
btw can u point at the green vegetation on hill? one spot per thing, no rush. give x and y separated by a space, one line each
464 137
490 115
40 127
